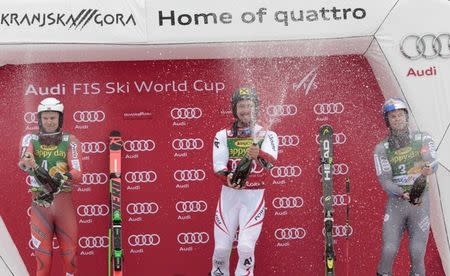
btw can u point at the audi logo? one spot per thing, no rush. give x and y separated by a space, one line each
32 246
142 208
94 210
89 116
281 110
93 242
93 147
141 177
30 117
338 138
339 200
144 240
287 202
340 231
328 108
286 171
187 144
288 141
255 168
337 169
290 233
189 175
186 113
193 238
139 145
94 178
191 206
427 46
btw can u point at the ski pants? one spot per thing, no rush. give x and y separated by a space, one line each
237 208
58 220
400 215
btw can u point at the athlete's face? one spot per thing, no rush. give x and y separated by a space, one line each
246 112
50 121
397 119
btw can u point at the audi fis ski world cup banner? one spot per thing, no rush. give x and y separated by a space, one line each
168 120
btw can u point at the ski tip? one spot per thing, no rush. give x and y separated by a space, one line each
115 133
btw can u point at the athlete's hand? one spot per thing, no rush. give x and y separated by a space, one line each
427 170
27 162
405 196
253 151
233 185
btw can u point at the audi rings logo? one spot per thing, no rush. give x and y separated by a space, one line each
93 242
187 144
94 178
255 168
144 240
141 177
339 200
139 145
287 202
288 141
337 169
191 206
286 171
186 113
189 175
142 208
93 147
89 116
338 138
290 233
95 210
281 110
328 108
193 238
30 117
427 46
340 231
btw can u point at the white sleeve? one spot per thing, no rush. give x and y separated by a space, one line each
270 144
220 151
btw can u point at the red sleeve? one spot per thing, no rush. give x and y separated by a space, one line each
74 159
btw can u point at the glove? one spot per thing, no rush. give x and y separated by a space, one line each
44 200
61 180
415 195
242 172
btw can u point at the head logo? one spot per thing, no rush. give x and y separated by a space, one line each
288 141
141 177
30 117
139 145
142 208
89 116
286 171
189 175
287 202
95 210
187 144
94 178
427 46
290 233
328 108
186 113
281 110
93 147
93 242
193 238
191 206
140 240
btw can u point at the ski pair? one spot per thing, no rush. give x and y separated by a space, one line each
115 251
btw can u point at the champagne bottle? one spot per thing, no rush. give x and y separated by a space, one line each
242 171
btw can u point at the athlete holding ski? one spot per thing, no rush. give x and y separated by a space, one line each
241 202
52 159
403 161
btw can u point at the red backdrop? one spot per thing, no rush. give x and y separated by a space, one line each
155 104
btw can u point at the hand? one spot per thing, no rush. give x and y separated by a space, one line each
60 179
405 196
27 163
253 151
427 170
233 185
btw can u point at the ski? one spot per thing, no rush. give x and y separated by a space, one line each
326 159
115 252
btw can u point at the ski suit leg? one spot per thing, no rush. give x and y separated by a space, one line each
393 227
418 229
41 223
251 218
225 226
66 230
